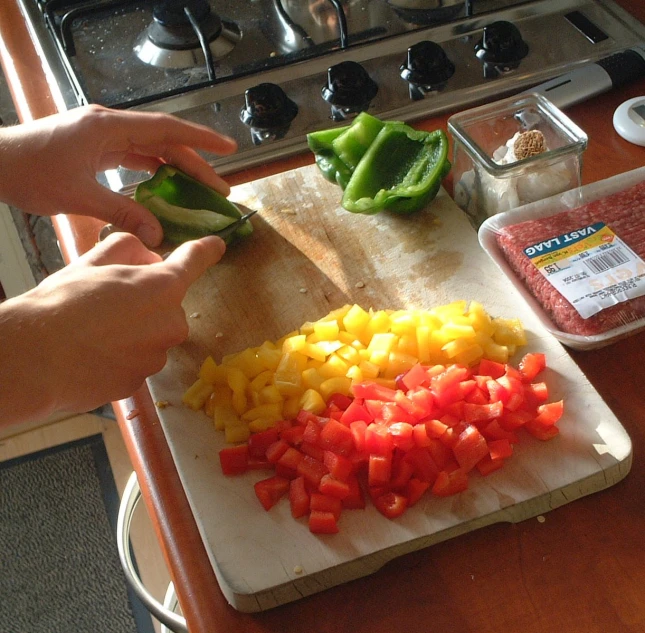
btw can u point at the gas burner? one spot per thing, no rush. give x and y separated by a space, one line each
186 33
429 12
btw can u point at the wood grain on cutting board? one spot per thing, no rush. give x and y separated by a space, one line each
306 257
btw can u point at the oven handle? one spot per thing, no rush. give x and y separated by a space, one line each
163 612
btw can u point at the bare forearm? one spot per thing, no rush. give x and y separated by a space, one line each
25 382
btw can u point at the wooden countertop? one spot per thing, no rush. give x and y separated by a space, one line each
582 569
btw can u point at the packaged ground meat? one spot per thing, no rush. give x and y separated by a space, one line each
583 268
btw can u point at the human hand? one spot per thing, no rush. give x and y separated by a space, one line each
95 330
50 165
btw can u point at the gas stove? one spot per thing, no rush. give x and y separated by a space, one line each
267 72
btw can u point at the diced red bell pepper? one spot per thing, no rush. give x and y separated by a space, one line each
333 487
420 435
424 467
298 497
339 400
287 465
548 414
379 470
339 466
478 396
355 500
234 460
470 447
369 390
491 368
358 427
422 398
435 428
311 432
536 393
305 416
312 470
445 386
487 465
414 490
270 491
337 437
260 441
531 365
401 433
325 503
440 453
313 450
378 440
450 483
321 522
541 432
478 413
494 431
402 472
511 420
276 450
391 504
416 376
500 449
294 435
355 411
392 412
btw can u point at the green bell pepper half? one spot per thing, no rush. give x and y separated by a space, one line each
186 208
401 171
339 150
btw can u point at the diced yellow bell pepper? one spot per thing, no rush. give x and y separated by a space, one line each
224 416
509 332
294 343
399 363
210 372
338 384
237 433
196 395
272 411
270 394
355 320
315 351
268 356
369 369
311 378
349 354
470 356
261 424
312 401
291 406
326 330
334 366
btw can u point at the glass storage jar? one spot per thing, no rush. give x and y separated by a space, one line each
513 152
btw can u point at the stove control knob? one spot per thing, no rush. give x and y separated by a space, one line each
349 86
501 44
267 107
427 65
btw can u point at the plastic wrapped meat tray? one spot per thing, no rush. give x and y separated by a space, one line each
617 203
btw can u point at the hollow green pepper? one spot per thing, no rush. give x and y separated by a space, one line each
186 208
338 150
401 171
382 164
330 165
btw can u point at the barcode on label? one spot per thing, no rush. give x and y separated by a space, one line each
605 261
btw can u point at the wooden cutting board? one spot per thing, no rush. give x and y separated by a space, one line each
306 257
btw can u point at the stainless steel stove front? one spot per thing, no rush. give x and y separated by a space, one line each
550 28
